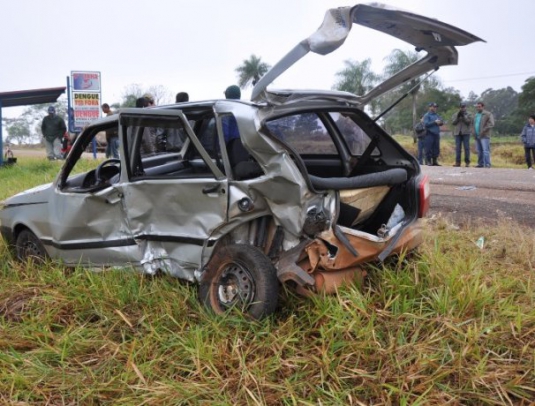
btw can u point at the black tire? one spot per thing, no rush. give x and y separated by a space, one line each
28 246
240 275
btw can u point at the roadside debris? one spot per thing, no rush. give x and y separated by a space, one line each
470 187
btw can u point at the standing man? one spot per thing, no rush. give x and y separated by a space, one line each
528 139
112 136
419 131
432 123
228 122
483 122
462 120
53 128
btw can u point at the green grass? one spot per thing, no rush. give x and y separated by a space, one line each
454 324
30 172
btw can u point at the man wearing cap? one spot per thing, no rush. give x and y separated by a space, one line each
53 128
481 126
462 121
432 123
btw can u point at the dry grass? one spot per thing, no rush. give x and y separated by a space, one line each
506 152
453 324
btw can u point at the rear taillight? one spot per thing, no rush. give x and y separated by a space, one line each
423 196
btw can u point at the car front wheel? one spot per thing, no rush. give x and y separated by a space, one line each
28 246
240 276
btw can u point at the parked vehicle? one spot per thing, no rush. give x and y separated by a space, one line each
309 190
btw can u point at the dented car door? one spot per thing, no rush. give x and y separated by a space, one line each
173 201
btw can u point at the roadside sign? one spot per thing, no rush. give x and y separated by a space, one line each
85 95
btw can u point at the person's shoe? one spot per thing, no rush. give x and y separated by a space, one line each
467 165
435 163
479 166
530 168
457 165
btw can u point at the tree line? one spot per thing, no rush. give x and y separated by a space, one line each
509 107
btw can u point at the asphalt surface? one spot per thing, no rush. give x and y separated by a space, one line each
480 194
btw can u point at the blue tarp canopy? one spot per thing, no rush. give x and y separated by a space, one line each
26 98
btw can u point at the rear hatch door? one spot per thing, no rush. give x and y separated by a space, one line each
436 38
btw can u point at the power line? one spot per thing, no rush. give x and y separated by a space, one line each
491 77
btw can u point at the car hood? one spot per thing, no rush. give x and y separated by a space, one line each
438 39
38 194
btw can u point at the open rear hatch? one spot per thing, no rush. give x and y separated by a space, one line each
438 39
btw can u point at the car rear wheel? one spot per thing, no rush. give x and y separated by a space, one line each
28 246
240 276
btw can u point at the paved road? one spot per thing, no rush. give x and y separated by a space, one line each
478 193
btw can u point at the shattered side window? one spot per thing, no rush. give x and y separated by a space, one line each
159 147
356 139
305 133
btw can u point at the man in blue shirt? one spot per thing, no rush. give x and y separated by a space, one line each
228 122
432 123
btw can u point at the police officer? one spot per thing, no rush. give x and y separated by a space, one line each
432 123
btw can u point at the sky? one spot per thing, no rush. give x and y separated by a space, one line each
196 45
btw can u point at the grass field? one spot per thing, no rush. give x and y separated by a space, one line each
506 152
453 324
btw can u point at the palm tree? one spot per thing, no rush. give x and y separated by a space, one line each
357 78
398 60
250 71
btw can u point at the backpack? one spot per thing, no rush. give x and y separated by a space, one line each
419 129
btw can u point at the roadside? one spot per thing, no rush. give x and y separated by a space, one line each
477 194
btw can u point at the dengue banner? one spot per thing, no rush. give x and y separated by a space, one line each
84 103
86 108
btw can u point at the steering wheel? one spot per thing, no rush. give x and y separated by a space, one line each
102 165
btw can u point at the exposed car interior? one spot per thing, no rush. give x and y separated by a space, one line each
181 160
337 151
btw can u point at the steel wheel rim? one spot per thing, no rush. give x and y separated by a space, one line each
235 285
31 250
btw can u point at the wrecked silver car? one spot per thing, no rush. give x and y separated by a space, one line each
298 187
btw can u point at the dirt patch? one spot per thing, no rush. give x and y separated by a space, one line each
13 307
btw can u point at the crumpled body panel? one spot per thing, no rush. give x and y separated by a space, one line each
325 263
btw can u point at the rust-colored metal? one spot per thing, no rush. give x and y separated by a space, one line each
330 282
368 249
332 265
